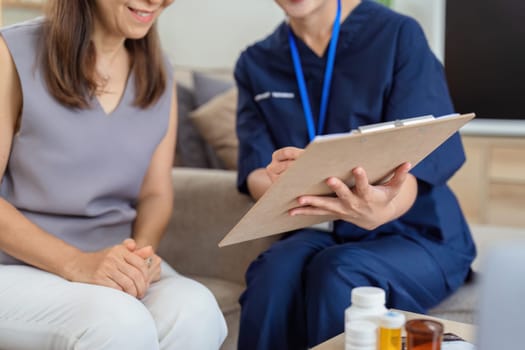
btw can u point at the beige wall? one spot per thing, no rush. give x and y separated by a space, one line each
211 33
13 13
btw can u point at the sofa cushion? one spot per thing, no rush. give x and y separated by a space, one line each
215 121
191 147
207 86
460 306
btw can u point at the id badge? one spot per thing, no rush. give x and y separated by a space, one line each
327 226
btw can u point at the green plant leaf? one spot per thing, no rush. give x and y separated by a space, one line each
385 2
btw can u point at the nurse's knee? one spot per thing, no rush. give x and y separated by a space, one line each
273 268
336 266
115 320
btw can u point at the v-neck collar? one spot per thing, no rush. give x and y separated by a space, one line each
123 101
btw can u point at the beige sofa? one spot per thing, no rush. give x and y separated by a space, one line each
207 205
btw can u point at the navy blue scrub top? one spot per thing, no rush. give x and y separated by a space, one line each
384 70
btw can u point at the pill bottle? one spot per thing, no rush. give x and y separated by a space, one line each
368 304
390 325
424 334
360 335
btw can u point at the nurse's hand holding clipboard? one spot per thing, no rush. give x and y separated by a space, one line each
367 206
281 160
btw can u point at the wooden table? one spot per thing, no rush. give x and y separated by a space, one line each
464 330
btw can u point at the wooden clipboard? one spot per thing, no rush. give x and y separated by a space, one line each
378 148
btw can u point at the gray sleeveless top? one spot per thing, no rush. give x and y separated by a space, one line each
77 173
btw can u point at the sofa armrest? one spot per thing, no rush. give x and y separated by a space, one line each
206 206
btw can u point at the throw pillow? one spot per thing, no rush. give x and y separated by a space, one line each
215 121
206 86
191 148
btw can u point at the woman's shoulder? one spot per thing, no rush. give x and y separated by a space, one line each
8 66
23 39
30 27
21 42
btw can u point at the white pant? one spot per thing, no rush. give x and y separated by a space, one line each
39 310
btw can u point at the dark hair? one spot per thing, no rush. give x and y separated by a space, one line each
68 56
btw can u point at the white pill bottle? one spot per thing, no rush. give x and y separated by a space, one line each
368 304
362 318
361 335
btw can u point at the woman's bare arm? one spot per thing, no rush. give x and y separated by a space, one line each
114 267
155 203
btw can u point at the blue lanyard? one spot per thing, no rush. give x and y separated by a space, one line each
327 77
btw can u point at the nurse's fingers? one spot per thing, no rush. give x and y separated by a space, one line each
281 160
309 210
400 175
361 187
340 188
277 168
286 153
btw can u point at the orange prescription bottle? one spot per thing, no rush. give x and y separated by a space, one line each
390 325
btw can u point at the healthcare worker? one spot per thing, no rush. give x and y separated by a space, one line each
332 66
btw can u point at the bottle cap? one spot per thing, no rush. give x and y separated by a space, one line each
392 320
361 332
368 296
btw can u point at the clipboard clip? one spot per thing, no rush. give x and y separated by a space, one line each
394 124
